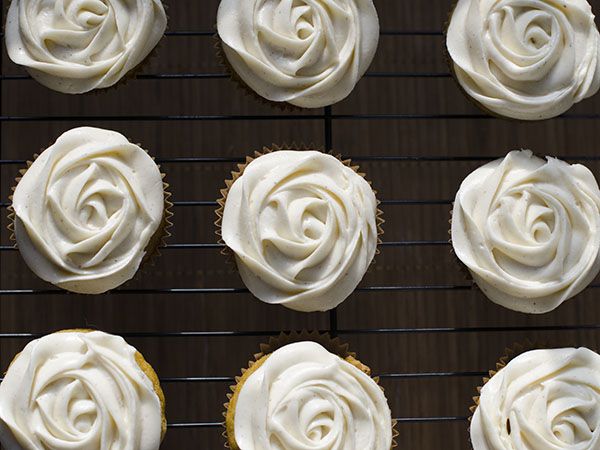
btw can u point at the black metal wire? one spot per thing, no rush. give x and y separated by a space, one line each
209 33
164 380
221 246
402 159
204 76
227 290
383 202
385 375
372 331
399 420
284 117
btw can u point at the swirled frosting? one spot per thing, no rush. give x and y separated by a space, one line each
542 400
303 229
78 390
303 397
525 59
86 209
309 53
528 230
74 46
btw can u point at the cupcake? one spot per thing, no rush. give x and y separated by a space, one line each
308 54
300 395
525 60
81 389
89 210
303 227
542 399
528 230
74 47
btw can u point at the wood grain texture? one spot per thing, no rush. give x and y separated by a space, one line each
414 347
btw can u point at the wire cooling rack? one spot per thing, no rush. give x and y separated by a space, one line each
414 319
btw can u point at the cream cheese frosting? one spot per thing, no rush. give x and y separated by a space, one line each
525 59
303 397
309 53
303 228
528 230
78 390
86 210
542 400
74 46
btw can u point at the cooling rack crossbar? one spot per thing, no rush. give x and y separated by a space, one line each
384 375
267 333
221 246
209 33
400 159
179 380
383 202
195 425
236 117
207 76
399 420
218 290
227 290
388 375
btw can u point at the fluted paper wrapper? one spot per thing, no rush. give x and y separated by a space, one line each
156 241
265 150
333 345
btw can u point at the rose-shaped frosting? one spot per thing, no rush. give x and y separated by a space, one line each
525 59
309 53
78 390
74 46
303 228
528 230
303 397
86 209
542 400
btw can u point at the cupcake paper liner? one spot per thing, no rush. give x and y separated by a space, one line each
265 150
333 345
157 240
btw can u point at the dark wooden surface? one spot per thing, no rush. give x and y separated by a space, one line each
482 333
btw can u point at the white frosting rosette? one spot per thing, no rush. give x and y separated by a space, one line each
303 227
309 53
86 210
528 230
525 59
542 400
303 397
74 46
78 390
